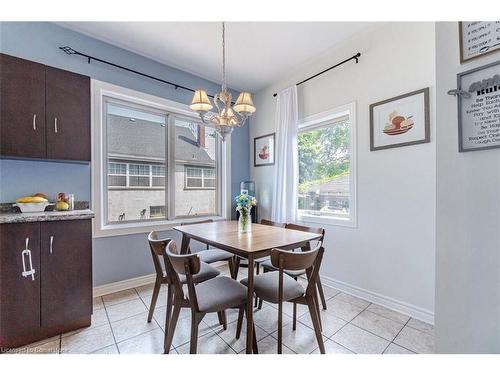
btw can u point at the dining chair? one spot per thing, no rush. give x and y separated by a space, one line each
278 287
214 295
267 266
158 252
259 261
212 255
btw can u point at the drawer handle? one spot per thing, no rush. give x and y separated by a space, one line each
55 124
51 243
26 253
34 122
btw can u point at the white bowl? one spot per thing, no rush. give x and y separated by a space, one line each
32 207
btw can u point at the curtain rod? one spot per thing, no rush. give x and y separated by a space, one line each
71 51
355 57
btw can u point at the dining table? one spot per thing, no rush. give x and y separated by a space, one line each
251 245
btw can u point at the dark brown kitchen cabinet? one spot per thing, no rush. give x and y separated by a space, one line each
45 280
67 115
22 108
19 287
44 112
66 274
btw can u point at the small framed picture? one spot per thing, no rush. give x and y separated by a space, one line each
478 38
263 153
400 121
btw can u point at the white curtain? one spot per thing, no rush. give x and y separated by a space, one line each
286 167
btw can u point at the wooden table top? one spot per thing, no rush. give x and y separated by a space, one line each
224 235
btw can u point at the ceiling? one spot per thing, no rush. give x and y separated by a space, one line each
257 53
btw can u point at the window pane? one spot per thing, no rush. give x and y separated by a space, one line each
135 140
195 150
324 184
209 182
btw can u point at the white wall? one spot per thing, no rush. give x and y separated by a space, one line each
467 219
389 257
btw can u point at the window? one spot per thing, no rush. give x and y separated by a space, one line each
196 169
144 146
326 167
200 178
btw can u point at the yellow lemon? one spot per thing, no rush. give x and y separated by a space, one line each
61 206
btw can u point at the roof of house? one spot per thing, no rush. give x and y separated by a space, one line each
142 139
337 185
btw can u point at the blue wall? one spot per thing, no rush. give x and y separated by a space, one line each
115 258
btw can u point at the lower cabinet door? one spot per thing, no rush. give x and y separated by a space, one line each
66 289
19 284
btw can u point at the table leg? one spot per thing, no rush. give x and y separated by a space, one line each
250 305
185 244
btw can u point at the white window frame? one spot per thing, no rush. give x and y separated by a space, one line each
203 178
101 90
320 120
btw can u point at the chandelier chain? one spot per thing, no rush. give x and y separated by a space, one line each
223 56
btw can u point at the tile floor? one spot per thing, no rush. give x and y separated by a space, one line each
350 325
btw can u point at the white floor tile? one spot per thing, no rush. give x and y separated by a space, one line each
147 343
269 345
229 335
99 318
119 297
182 333
342 309
396 349
359 340
415 340
97 303
421 326
267 319
302 340
352 300
112 349
330 323
377 324
87 341
387 313
125 309
208 344
331 347
47 346
133 326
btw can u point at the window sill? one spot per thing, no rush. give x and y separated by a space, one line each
347 222
113 230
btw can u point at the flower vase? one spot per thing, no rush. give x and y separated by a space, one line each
244 222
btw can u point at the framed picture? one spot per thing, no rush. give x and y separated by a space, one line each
478 108
478 38
400 121
263 150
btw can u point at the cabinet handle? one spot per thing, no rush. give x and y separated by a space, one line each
34 122
55 124
51 243
27 253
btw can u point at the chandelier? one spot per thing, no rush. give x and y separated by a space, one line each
228 116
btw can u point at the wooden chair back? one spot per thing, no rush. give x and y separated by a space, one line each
309 260
185 264
272 223
303 228
157 247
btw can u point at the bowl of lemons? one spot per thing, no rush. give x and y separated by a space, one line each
33 203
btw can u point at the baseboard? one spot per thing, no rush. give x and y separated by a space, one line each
118 286
391 303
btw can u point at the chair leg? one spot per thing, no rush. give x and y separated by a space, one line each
316 305
257 271
294 324
254 342
193 343
170 297
169 334
230 263
154 298
236 266
260 303
316 324
240 322
255 348
321 293
224 319
280 327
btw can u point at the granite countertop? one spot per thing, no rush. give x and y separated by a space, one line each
17 217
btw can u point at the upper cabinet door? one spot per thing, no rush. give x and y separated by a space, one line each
67 115
22 108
